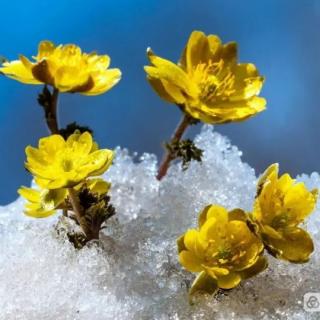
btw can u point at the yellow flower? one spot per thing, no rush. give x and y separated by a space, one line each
223 250
66 68
42 203
281 205
57 163
208 82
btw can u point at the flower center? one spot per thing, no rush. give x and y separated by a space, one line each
67 165
215 81
280 221
218 254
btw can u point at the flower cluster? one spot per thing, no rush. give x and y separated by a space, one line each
61 169
65 162
208 84
228 246
281 205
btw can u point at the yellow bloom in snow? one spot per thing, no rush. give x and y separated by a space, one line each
280 206
208 82
66 68
42 203
223 250
57 163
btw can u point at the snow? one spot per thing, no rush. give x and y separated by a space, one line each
133 272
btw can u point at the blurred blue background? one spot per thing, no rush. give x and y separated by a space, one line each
280 36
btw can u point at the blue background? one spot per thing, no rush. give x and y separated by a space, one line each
280 36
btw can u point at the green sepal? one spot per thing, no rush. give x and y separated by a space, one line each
259 266
203 283
180 244
72 127
238 214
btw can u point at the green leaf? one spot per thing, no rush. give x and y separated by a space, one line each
186 150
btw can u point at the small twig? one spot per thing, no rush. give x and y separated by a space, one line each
51 114
80 217
49 103
168 157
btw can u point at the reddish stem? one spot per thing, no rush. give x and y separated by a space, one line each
51 113
176 137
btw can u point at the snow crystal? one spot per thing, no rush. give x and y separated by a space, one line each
133 272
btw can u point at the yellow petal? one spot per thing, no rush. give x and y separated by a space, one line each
36 160
39 213
26 62
239 231
229 111
229 281
213 211
61 182
81 143
163 69
300 202
42 183
71 78
98 62
158 87
216 272
269 174
190 239
52 144
218 212
213 229
190 261
197 50
295 246
103 81
98 186
97 160
248 82
45 49
214 45
109 155
17 71
260 265
271 232
177 94
51 199
29 194
285 182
